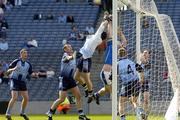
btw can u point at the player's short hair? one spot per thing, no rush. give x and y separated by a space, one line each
104 36
65 46
122 52
22 50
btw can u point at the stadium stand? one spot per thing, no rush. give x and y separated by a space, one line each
49 34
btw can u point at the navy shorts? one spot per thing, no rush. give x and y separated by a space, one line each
145 87
17 85
130 89
66 83
108 53
84 65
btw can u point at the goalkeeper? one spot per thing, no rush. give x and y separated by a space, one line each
130 80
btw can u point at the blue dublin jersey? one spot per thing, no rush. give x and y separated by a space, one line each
127 70
23 69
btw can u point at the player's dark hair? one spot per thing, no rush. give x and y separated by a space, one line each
104 36
149 51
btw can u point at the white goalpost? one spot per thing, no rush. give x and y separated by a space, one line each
145 28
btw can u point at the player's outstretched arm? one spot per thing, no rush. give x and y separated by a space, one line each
101 29
124 41
10 70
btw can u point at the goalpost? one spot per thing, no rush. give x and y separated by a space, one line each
145 28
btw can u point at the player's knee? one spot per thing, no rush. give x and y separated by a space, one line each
14 98
106 77
26 98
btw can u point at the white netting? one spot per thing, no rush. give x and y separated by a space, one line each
165 57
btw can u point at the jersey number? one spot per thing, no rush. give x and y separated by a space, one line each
129 70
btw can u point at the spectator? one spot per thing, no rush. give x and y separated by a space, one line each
1 14
73 35
64 41
4 66
30 43
145 23
64 107
4 24
49 16
8 6
62 18
89 29
70 19
3 33
50 73
18 2
62 1
42 73
12 2
81 36
4 45
37 16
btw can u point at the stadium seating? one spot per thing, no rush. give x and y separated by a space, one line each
49 34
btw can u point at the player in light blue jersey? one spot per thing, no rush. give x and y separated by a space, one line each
67 82
146 65
130 80
19 70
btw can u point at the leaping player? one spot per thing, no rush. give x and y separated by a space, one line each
85 54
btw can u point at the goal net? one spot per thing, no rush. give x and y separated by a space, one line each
146 29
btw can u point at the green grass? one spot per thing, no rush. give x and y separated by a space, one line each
75 117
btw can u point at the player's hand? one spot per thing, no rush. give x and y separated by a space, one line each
35 74
106 14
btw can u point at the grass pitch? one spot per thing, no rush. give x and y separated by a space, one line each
75 117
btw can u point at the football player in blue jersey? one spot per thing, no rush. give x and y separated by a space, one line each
131 76
67 82
18 72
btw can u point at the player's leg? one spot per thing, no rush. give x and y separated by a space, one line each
62 96
146 103
14 96
78 77
122 102
135 90
24 103
77 95
106 78
123 98
87 79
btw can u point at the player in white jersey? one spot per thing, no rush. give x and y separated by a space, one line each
106 72
128 75
146 65
85 54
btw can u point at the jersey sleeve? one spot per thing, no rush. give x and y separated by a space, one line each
64 58
13 64
99 31
30 69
